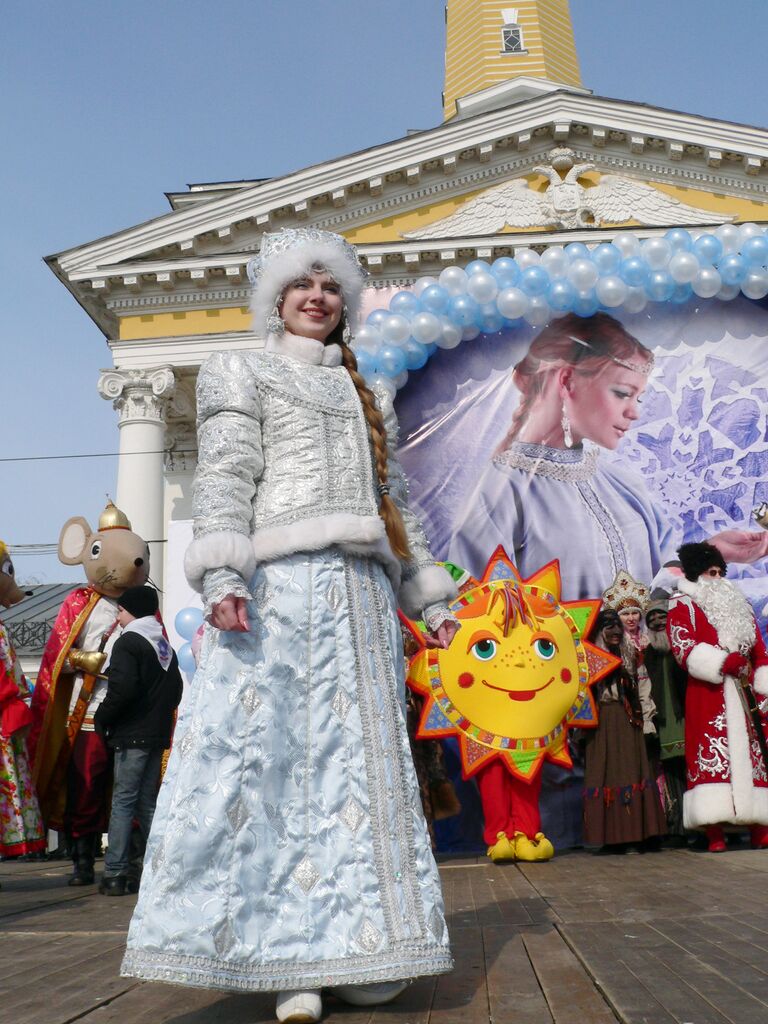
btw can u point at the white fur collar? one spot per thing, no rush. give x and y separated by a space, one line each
726 608
306 350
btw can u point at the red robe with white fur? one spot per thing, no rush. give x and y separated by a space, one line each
727 779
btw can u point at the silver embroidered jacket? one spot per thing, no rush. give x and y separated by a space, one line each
285 465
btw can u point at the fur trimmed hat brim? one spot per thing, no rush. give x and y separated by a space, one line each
279 270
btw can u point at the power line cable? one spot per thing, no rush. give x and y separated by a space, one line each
97 455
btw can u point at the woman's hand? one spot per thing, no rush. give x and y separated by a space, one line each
741 545
442 636
230 614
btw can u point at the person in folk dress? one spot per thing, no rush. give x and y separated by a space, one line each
289 850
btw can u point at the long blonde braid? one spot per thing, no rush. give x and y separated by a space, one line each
388 510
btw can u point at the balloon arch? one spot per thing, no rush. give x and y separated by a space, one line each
531 288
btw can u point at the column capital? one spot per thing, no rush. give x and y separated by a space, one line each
138 395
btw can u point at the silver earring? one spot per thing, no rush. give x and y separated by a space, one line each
275 323
346 331
565 423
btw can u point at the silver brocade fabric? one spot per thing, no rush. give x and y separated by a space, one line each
289 848
282 441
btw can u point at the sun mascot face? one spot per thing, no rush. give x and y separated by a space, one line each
517 673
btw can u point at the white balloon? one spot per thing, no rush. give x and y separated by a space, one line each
400 380
368 338
421 284
470 333
636 300
748 231
583 275
527 258
378 379
395 330
512 303
684 267
555 260
426 328
539 312
728 292
755 284
454 280
611 290
729 236
451 334
707 283
627 243
657 252
483 287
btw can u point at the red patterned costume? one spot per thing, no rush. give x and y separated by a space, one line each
710 622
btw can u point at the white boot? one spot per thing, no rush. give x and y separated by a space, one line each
299 1007
370 995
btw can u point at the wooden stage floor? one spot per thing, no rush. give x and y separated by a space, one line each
675 936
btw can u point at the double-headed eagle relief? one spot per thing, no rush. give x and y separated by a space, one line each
565 204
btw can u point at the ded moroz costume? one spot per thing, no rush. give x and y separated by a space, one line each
714 636
289 850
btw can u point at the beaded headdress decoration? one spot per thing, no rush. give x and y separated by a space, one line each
642 368
626 592
278 242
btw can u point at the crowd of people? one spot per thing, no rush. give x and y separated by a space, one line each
287 850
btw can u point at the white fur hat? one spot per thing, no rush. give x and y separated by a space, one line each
290 254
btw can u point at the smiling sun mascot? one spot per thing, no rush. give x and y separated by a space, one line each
516 677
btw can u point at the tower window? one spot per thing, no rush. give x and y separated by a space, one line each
512 39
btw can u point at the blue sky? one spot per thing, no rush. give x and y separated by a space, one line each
109 105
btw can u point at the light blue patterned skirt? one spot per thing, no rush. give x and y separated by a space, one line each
289 849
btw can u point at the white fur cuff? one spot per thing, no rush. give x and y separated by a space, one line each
429 586
706 662
760 682
217 551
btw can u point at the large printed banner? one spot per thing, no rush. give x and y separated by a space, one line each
671 407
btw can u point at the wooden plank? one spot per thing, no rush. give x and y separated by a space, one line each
153 1003
568 989
463 914
461 997
412 1007
514 993
29 956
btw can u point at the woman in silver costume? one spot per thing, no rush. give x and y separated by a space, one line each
289 851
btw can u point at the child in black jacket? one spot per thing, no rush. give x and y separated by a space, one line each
136 720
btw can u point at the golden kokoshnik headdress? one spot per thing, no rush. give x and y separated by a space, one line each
288 255
626 592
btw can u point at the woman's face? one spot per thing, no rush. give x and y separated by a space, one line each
631 619
312 306
602 408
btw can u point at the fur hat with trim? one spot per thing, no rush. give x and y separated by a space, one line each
291 254
697 558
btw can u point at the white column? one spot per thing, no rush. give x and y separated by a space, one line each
140 398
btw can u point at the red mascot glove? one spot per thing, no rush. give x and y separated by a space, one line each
734 664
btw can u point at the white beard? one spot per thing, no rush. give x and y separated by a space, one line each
727 610
658 640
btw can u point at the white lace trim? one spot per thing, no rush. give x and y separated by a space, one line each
570 465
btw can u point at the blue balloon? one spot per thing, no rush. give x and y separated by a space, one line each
186 659
534 280
708 248
634 271
391 360
505 269
681 294
561 295
606 258
755 251
733 268
435 299
477 267
491 323
404 303
661 286
430 349
187 622
377 317
464 311
416 354
679 239
577 251
366 363
586 303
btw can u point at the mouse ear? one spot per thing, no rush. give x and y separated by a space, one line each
72 539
